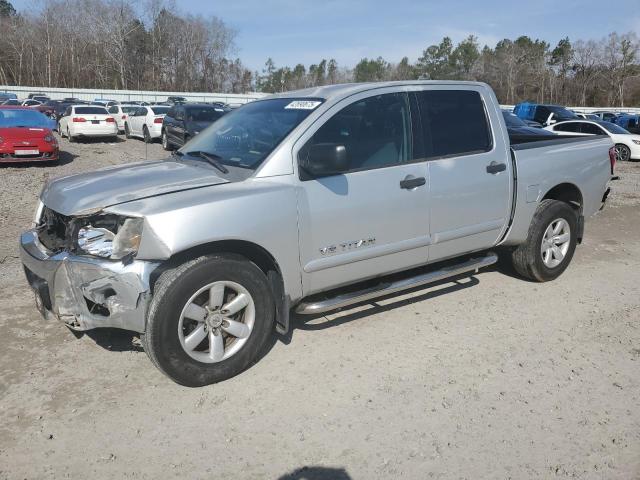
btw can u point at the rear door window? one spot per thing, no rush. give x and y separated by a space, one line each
591 129
454 123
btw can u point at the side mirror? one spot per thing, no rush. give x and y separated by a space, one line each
324 159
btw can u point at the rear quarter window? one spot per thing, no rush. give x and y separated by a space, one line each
454 122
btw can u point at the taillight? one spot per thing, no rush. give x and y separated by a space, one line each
612 158
110 120
158 120
79 119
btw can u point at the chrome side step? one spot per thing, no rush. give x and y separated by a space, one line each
344 300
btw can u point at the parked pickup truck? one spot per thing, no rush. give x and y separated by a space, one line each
309 201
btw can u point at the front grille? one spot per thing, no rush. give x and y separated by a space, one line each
54 230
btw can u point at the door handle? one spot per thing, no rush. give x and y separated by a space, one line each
495 167
412 182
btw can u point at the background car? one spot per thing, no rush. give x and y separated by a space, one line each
11 102
31 103
87 121
606 116
588 116
6 96
626 143
145 122
520 132
630 122
175 99
120 113
184 121
26 136
543 114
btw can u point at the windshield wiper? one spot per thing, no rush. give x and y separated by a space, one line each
211 158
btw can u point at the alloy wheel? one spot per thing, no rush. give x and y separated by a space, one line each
555 242
216 321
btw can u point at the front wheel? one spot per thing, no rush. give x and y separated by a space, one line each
209 319
550 244
623 153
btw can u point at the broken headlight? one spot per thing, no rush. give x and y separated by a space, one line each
111 237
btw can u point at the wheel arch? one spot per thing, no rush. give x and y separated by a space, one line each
570 194
253 252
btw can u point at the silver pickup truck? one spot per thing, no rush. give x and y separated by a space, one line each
307 201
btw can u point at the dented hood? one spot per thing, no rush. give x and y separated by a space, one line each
87 192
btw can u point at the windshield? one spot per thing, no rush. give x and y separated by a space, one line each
512 120
246 136
23 118
91 111
159 110
613 128
203 114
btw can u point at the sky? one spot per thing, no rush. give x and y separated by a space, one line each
306 31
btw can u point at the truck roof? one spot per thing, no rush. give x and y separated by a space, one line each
328 92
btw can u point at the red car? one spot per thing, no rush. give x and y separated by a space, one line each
26 136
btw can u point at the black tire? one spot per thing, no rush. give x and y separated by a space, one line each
623 153
166 144
71 139
174 288
527 258
146 135
127 132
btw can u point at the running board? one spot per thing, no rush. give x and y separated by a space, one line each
344 300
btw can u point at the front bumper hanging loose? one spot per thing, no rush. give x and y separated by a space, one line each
87 292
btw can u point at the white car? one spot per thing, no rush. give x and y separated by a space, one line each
87 121
120 113
146 122
31 103
627 144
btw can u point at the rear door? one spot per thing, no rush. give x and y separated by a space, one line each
137 121
469 170
374 218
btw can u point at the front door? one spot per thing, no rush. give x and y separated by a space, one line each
374 218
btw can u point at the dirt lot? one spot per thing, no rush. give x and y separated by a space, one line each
490 377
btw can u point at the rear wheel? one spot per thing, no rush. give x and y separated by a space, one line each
550 244
71 139
209 319
166 144
146 135
623 153
127 132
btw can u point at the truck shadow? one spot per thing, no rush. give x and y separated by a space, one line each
317 473
114 339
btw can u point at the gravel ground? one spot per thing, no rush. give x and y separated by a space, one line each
489 377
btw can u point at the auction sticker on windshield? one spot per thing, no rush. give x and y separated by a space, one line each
303 104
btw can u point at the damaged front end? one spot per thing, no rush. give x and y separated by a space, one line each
84 272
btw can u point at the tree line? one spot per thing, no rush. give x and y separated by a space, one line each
117 44
152 45
582 73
